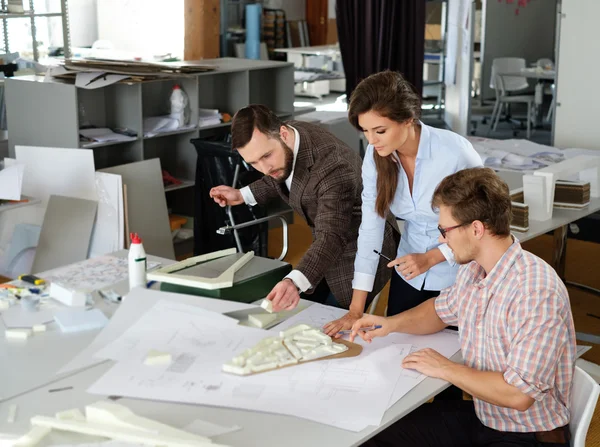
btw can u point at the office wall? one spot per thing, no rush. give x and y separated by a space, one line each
457 113
576 119
83 22
528 34
142 27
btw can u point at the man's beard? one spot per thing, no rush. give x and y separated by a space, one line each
289 163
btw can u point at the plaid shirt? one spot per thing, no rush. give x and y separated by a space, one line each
516 321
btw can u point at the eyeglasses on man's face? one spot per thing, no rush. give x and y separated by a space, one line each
445 231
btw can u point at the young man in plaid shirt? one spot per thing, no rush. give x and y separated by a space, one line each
516 331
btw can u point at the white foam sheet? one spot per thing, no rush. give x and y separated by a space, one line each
48 170
66 232
56 171
109 229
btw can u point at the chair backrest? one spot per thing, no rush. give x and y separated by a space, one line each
509 65
584 396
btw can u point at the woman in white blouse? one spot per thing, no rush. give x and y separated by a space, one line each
404 162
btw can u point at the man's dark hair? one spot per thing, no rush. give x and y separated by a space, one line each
254 116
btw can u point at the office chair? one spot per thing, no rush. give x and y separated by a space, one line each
584 396
506 88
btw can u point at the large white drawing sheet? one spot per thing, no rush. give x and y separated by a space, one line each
347 393
445 342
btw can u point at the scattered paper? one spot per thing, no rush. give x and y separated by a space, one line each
327 391
104 135
78 320
17 317
92 274
209 429
11 180
94 79
137 302
188 327
155 125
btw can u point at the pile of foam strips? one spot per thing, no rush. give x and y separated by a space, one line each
297 344
113 421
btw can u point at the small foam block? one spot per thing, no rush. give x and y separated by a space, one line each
267 305
261 320
69 297
76 320
12 414
155 358
39 328
4 305
17 334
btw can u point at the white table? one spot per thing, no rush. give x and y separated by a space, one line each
260 429
559 222
532 73
34 365
27 365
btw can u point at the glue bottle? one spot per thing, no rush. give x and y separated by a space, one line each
137 262
180 106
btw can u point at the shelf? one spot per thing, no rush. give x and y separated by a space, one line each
94 144
27 15
184 184
215 126
172 132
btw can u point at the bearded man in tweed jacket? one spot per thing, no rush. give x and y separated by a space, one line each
319 177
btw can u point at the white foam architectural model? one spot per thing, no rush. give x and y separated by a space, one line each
224 280
261 320
32 437
114 421
297 344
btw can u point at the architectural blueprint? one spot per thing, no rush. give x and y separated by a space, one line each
327 391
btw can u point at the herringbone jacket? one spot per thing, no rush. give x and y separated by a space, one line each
326 193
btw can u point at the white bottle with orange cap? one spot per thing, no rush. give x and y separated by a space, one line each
137 262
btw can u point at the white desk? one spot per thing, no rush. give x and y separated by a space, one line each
259 429
27 365
547 75
560 217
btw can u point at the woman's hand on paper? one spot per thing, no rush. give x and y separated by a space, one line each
341 324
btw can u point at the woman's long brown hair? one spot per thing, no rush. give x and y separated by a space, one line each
390 95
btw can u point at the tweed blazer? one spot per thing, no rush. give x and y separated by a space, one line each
326 193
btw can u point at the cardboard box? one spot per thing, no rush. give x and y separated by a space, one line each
433 32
